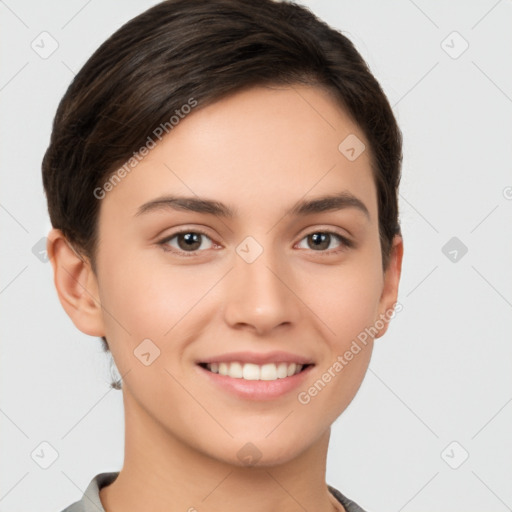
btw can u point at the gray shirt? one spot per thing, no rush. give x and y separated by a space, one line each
90 501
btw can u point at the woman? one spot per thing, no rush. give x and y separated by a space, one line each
222 182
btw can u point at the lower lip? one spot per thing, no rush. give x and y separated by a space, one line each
257 389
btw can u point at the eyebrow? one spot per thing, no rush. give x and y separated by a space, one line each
333 202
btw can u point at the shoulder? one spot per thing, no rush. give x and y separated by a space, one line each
90 500
350 506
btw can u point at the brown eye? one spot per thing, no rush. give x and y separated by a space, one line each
319 241
189 241
323 241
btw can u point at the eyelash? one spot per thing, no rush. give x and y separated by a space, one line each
345 243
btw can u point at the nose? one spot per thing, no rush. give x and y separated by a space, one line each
260 296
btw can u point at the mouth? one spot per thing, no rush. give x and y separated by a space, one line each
255 372
256 376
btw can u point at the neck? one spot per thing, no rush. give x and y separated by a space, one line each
163 474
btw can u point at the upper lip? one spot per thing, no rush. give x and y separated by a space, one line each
258 358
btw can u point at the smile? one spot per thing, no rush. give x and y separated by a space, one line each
256 376
251 371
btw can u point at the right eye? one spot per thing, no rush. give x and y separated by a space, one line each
187 242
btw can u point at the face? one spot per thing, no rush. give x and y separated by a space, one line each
238 263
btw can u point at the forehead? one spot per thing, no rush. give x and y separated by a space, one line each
260 149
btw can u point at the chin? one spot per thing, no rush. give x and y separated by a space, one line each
264 452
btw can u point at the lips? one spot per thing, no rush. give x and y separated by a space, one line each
255 389
258 358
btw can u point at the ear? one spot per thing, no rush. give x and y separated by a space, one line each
389 294
76 284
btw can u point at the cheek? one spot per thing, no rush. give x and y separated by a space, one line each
346 303
146 298
334 387
345 299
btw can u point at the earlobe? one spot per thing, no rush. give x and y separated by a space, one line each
76 285
389 294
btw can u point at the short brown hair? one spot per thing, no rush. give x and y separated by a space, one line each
204 49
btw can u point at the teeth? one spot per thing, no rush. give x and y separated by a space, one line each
235 370
250 371
282 370
268 372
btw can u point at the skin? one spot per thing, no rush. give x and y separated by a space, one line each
258 151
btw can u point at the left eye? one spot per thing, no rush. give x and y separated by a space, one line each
189 241
321 240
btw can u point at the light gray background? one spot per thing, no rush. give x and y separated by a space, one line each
443 371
